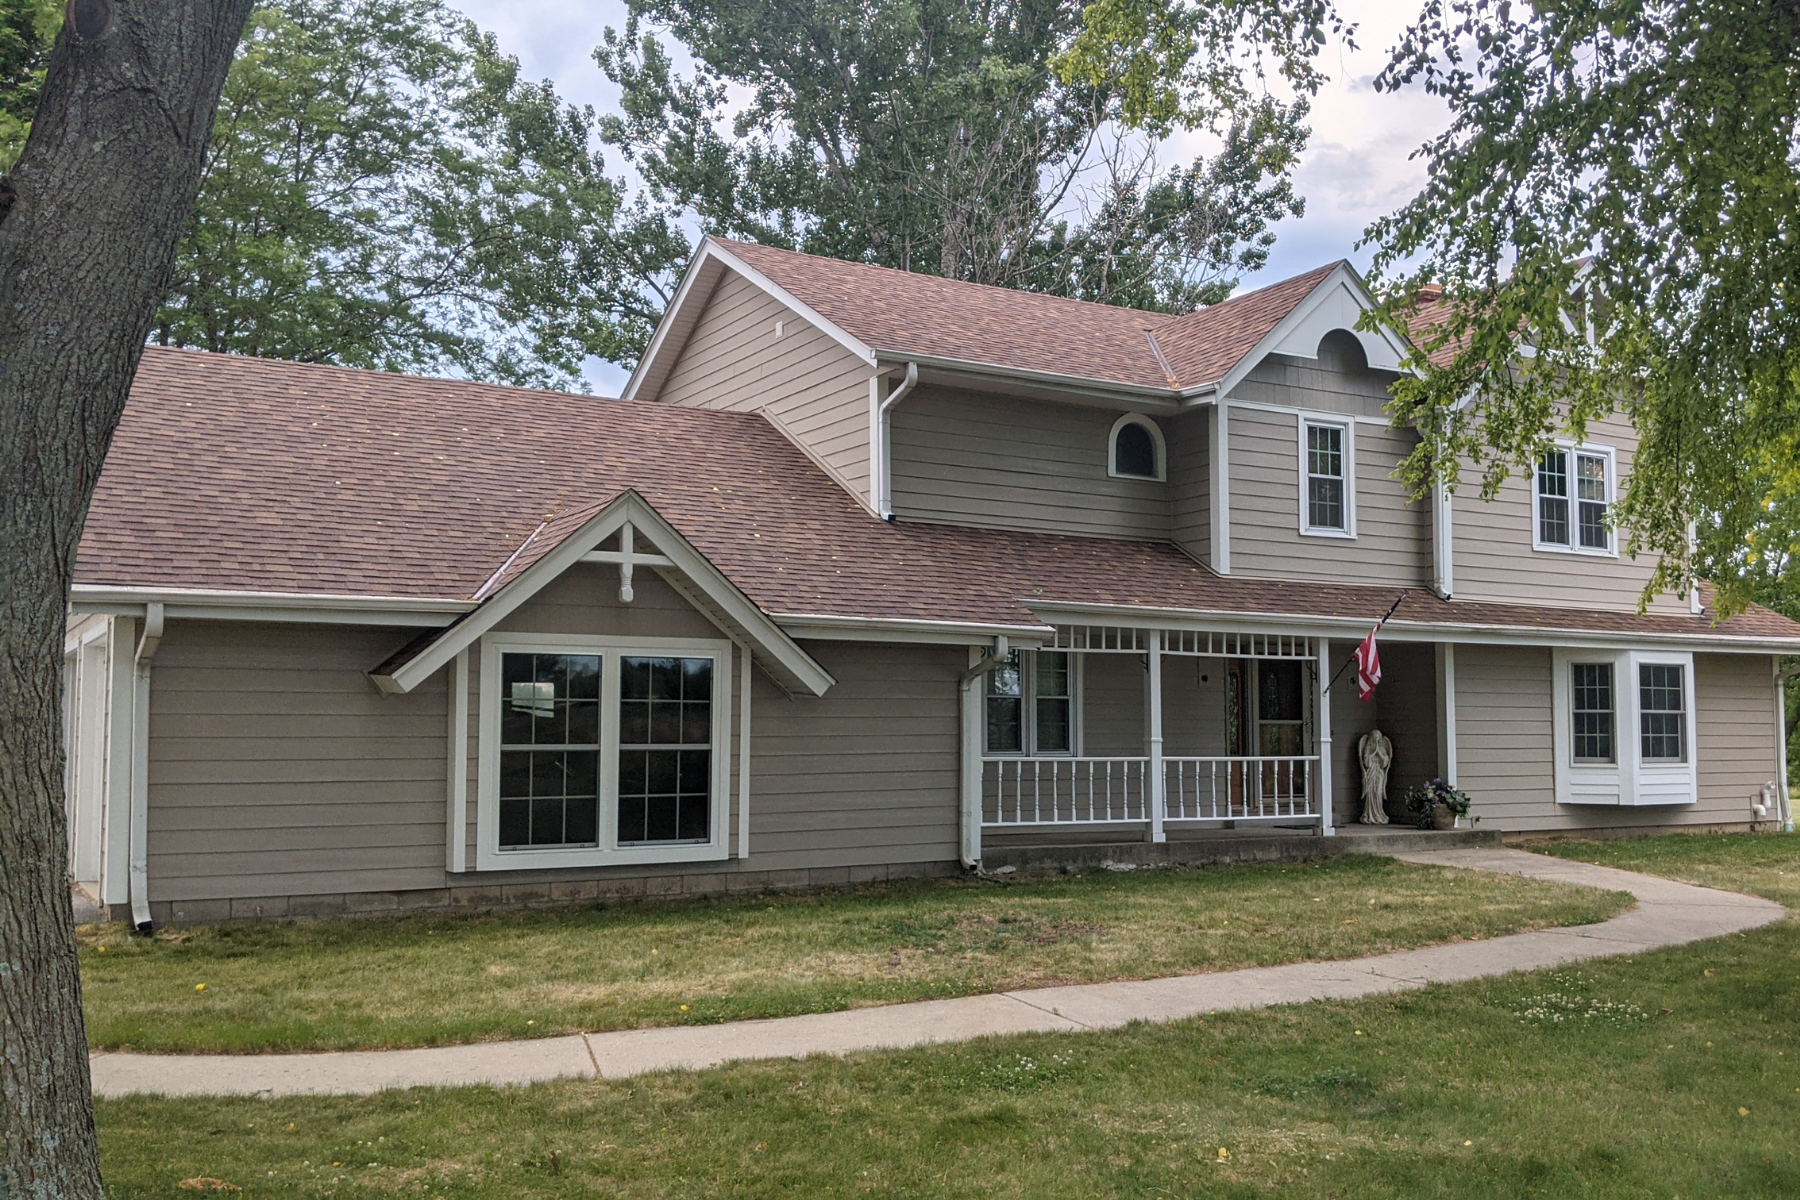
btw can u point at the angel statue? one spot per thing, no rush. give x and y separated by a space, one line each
1377 755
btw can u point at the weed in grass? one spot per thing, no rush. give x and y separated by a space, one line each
1569 1004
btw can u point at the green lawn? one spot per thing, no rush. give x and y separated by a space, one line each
429 981
1684 1081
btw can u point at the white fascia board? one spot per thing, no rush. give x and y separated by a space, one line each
1342 281
632 508
1141 397
831 330
880 629
671 314
295 607
1396 629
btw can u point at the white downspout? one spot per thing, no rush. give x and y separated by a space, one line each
881 482
140 766
969 688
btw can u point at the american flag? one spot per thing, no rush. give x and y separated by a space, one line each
1368 664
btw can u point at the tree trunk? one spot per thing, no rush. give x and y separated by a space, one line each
98 201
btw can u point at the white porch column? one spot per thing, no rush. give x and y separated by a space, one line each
1321 687
1446 701
1157 792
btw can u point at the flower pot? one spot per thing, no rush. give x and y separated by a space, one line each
1443 817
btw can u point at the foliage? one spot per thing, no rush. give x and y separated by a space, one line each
27 30
384 190
934 136
1424 798
1614 213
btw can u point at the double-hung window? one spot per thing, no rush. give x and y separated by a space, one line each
1662 712
596 750
1592 711
1327 481
1574 492
1030 704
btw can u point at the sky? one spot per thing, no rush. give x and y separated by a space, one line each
1357 165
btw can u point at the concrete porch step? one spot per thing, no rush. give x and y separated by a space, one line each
1220 847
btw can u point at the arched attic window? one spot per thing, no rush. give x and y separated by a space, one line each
1135 449
1342 350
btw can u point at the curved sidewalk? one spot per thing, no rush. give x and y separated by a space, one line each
1667 914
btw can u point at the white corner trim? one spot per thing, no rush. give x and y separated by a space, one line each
1304 420
456 822
1219 469
1157 441
1443 541
747 668
631 508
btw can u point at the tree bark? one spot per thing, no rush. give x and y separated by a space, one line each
100 198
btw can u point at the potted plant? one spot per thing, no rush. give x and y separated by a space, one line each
1436 804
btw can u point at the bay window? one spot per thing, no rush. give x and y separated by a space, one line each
1623 727
596 750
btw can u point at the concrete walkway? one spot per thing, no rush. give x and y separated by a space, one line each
1667 914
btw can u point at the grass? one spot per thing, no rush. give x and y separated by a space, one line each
438 980
1684 1083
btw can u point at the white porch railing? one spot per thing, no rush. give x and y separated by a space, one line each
1058 790
1064 791
1257 788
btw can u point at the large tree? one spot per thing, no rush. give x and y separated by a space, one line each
941 136
94 208
384 190
1614 213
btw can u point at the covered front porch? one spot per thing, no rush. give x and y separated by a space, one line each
1115 733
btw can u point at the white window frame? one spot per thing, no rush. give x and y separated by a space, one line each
1629 781
489 856
1156 440
1347 424
1592 450
1028 708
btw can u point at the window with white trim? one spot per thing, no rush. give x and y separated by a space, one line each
602 749
1327 499
1592 709
1662 712
1574 493
1135 450
1031 704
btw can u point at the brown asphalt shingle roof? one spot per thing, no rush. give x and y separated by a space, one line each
249 474
907 313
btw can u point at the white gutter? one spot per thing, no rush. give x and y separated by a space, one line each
1396 629
880 629
140 766
1077 386
881 466
211 604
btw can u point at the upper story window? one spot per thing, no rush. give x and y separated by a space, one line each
1574 492
1031 704
1135 449
1327 482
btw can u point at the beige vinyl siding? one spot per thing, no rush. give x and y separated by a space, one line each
1351 718
1113 705
968 458
1494 559
1193 706
1190 482
1504 748
1393 537
814 388
1406 707
276 768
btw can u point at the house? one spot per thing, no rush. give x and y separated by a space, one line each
868 574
